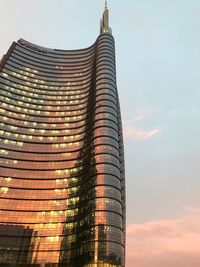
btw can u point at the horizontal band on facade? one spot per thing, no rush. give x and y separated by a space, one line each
104 128
40 62
72 158
59 52
110 96
60 212
58 236
72 206
59 71
100 239
79 215
106 114
18 73
64 177
14 96
39 85
61 152
89 89
45 61
78 125
96 118
49 69
110 138
16 90
50 250
69 170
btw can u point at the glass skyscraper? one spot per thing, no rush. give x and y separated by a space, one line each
62 198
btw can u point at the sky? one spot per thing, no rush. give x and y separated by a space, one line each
158 63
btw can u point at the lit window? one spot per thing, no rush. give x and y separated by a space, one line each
4 189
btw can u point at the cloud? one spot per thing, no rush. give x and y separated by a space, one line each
168 259
174 243
140 116
134 133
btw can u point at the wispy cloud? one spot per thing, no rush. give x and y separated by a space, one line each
142 115
174 243
135 133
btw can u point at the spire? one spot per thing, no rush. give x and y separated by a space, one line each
104 27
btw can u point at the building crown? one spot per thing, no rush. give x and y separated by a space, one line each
104 24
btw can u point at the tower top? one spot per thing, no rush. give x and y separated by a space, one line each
104 24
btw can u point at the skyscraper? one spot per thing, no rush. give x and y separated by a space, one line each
62 199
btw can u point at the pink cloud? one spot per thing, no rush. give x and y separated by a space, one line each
173 259
139 134
166 243
144 115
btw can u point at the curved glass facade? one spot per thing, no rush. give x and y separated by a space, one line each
61 157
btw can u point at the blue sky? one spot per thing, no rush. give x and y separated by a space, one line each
158 63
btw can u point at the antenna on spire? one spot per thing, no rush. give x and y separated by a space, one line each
106 4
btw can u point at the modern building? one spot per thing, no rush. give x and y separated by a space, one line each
62 198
